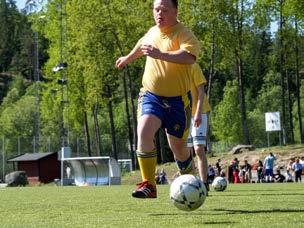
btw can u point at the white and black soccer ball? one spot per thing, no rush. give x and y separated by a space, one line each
219 184
187 192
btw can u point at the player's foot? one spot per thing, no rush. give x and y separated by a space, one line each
182 172
145 190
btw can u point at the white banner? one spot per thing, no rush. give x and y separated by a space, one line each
272 121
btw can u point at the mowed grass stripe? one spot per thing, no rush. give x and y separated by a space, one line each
242 205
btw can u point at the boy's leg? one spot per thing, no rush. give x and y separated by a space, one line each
181 153
147 157
199 135
177 123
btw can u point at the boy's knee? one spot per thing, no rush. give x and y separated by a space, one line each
200 151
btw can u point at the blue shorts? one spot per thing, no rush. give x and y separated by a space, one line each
174 112
268 172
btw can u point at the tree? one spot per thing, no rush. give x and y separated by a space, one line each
266 101
227 111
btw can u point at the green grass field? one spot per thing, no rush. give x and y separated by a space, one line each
242 205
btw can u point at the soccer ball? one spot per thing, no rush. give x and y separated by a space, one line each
219 184
187 192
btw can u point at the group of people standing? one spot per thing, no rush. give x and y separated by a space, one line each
237 173
294 170
297 167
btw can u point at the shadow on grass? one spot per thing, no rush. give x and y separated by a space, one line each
232 211
262 194
218 223
198 214
264 190
193 213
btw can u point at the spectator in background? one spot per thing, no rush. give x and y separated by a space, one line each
246 172
230 172
302 163
278 177
236 171
289 165
297 168
268 166
260 171
288 176
236 162
161 177
211 174
222 174
218 167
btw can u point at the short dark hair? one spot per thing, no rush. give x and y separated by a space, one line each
175 3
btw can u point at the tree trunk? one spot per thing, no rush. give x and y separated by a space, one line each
133 109
298 83
212 63
281 65
96 129
128 122
240 74
242 100
112 125
290 109
87 134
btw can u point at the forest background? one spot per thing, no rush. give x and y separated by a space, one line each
59 86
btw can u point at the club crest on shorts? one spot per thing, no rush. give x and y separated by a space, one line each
176 127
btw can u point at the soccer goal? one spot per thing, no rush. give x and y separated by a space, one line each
91 170
125 165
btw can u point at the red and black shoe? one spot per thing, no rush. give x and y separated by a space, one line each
145 190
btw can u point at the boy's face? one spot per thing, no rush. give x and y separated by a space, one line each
164 13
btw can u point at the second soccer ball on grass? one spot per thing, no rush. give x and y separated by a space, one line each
219 184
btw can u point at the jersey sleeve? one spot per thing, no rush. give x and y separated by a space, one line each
198 76
189 43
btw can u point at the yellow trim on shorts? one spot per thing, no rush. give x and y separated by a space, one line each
188 115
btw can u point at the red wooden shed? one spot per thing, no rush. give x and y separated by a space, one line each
39 167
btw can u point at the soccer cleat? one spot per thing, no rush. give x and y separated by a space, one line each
145 190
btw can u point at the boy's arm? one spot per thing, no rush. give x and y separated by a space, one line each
134 54
198 112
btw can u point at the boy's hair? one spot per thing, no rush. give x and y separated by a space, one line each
175 3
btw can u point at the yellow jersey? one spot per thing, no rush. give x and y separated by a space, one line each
198 78
166 78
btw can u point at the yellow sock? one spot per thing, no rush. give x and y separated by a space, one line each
147 163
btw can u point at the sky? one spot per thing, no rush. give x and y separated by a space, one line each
20 3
